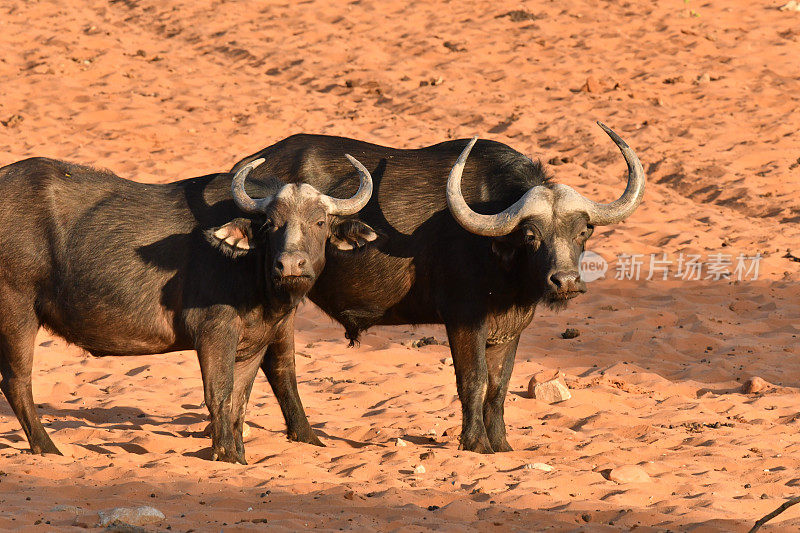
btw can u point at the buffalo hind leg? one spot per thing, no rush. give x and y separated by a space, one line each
279 367
244 374
216 353
469 359
17 335
499 365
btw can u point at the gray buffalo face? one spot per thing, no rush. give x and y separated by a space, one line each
296 224
547 253
552 254
548 227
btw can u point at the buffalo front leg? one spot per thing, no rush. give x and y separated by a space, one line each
244 374
17 335
279 367
217 354
467 346
499 365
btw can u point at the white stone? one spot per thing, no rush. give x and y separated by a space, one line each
419 470
134 516
551 391
539 466
629 474
400 442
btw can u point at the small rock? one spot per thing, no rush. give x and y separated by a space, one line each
419 469
704 78
792 5
135 516
427 455
754 385
425 341
12 121
552 391
570 333
70 508
629 474
400 442
538 466
447 361
592 85
349 495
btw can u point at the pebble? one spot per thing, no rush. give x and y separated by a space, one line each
552 391
70 508
570 333
538 466
592 85
754 385
629 474
400 442
135 516
792 5
419 469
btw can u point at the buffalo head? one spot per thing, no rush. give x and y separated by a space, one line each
548 227
294 226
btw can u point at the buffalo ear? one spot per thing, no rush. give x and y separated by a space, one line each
234 239
350 234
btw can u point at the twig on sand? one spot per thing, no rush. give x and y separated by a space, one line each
776 512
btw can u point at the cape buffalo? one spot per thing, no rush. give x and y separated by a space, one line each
483 284
125 268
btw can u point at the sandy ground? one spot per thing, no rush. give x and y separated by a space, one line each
707 93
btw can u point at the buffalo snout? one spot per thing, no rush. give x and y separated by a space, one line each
291 264
566 283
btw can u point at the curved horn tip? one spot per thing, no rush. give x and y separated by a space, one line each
355 162
256 162
611 133
462 159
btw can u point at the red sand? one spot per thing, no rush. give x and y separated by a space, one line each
707 94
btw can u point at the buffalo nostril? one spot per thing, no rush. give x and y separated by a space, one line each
279 265
301 263
565 280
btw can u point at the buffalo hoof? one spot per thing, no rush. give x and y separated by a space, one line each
502 446
308 438
477 446
45 448
223 455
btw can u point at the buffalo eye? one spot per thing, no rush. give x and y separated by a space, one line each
531 238
586 233
320 223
